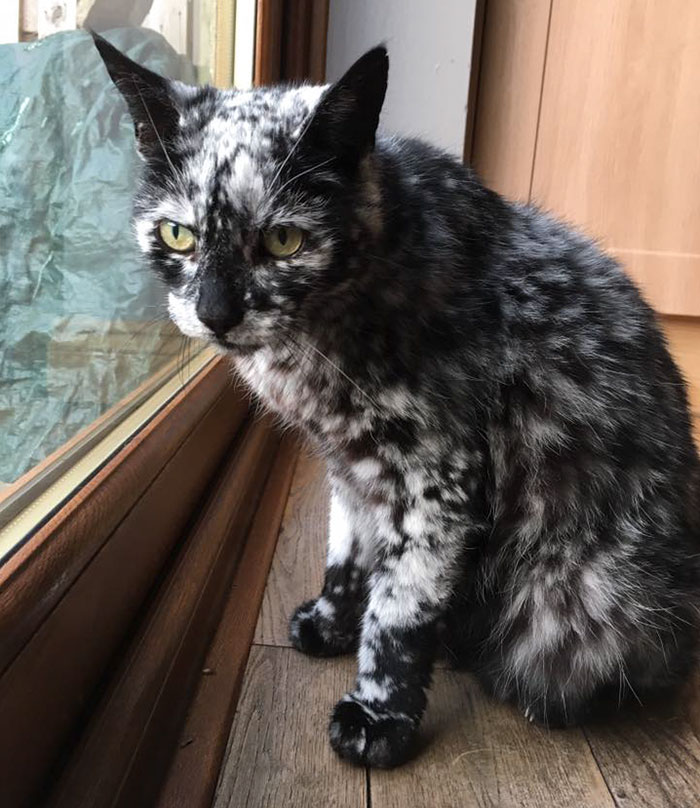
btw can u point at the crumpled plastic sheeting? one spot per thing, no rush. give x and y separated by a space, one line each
77 305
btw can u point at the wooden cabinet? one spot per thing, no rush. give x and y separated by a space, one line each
591 108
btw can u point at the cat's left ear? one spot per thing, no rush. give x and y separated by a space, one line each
345 120
148 96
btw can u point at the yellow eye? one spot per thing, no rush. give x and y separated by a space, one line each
176 237
283 242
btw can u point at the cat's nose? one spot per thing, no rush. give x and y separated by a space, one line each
218 311
219 325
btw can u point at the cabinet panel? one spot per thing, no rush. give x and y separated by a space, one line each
683 334
618 140
510 83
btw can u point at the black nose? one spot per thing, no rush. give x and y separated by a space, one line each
219 307
220 324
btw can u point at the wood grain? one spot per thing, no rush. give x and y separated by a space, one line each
669 282
299 562
296 41
513 51
278 753
126 748
290 40
649 758
194 769
617 142
691 698
683 335
39 573
318 40
481 753
268 42
45 690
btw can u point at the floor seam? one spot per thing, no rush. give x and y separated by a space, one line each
272 645
584 732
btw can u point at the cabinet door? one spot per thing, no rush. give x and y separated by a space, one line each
618 143
513 50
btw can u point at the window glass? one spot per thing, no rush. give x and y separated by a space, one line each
82 321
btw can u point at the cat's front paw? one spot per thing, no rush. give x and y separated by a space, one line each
368 737
315 629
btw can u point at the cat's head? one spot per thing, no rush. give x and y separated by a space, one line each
249 198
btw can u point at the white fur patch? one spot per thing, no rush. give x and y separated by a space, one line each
340 533
369 689
325 608
367 469
184 314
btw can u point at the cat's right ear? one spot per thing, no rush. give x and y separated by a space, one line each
148 97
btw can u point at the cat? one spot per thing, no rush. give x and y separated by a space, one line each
513 479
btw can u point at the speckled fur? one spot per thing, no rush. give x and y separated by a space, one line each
508 440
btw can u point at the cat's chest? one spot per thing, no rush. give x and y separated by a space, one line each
381 444
306 395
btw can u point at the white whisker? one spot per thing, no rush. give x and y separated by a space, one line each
150 118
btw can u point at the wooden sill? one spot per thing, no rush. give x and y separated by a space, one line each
69 595
25 504
131 734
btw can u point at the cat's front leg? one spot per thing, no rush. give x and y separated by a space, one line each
376 724
330 624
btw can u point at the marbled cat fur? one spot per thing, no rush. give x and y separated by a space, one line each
508 441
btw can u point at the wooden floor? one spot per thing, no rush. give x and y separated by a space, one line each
477 752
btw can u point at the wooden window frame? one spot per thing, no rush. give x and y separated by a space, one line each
109 608
69 595
67 468
291 41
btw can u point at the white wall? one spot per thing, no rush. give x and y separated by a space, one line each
9 22
429 43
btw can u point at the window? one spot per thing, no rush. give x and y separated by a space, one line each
84 337
77 582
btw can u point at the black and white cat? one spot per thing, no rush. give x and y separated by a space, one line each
508 441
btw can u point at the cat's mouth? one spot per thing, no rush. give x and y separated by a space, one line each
257 331
238 345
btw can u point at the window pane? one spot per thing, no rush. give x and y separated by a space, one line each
82 321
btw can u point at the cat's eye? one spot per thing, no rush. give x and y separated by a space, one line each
176 236
283 242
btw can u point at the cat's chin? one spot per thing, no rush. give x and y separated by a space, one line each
238 347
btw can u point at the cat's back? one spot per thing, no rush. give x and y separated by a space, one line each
538 288
442 209
587 371
535 323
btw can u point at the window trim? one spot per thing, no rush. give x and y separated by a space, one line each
69 596
291 41
37 575
132 734
25 503
78 597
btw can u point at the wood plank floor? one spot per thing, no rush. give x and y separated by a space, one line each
476 752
